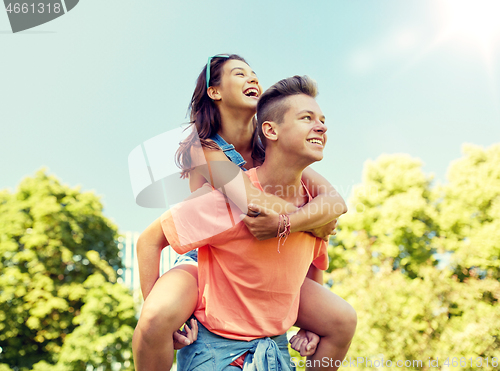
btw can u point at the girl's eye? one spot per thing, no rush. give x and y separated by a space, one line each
307 117
240 74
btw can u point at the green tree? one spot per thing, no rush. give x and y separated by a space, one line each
60 305
469 212
384 264
433 316
394 208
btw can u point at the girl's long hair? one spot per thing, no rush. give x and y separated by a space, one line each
205 118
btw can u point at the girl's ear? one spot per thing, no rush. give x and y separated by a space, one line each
213 93
269 129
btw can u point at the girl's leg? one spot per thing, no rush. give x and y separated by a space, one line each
330 317
170 303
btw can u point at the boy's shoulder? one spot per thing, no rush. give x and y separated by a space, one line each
252 174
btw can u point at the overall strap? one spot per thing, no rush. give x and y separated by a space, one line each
229 151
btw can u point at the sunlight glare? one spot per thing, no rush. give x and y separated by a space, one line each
478 20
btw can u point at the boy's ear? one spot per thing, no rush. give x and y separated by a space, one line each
269 129
213 93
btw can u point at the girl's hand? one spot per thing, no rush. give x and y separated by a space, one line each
305 342
264 225
324 232
187 336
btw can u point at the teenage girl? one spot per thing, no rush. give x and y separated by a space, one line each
222 110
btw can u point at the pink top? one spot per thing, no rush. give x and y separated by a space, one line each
247 289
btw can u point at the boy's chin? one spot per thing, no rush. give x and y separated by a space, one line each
312 159
317 158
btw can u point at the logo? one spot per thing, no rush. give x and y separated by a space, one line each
31 13
156 182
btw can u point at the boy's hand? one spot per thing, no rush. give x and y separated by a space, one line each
264 225
325 231
187 336
305 342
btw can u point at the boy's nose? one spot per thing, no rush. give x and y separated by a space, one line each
320 126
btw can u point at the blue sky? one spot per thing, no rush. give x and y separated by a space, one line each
78 94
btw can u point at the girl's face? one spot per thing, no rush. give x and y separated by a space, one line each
239 86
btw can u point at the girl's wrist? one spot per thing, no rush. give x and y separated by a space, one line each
284 229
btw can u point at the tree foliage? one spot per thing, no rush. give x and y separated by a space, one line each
469 212
393 208
385 262
60 305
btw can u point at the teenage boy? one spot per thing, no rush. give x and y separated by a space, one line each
249 289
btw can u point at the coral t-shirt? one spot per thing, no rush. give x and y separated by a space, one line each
248 288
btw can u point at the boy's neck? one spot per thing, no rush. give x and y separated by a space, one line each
281 177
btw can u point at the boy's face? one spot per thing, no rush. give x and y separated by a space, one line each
303 130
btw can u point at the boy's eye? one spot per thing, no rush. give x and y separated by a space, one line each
240 74
306 117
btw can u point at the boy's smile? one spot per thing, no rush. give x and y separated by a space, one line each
303 131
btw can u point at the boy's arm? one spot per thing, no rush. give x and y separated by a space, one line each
315 274
185 227
149 246
305 342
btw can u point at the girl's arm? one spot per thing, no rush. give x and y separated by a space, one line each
316 217
321 213
152 241
226 176
149 246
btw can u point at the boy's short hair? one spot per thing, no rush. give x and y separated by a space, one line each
272 105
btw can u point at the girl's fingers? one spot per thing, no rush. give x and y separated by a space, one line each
253 210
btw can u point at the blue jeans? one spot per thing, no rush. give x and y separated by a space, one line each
215 353
190 257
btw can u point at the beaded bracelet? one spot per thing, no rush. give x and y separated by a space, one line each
284 222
